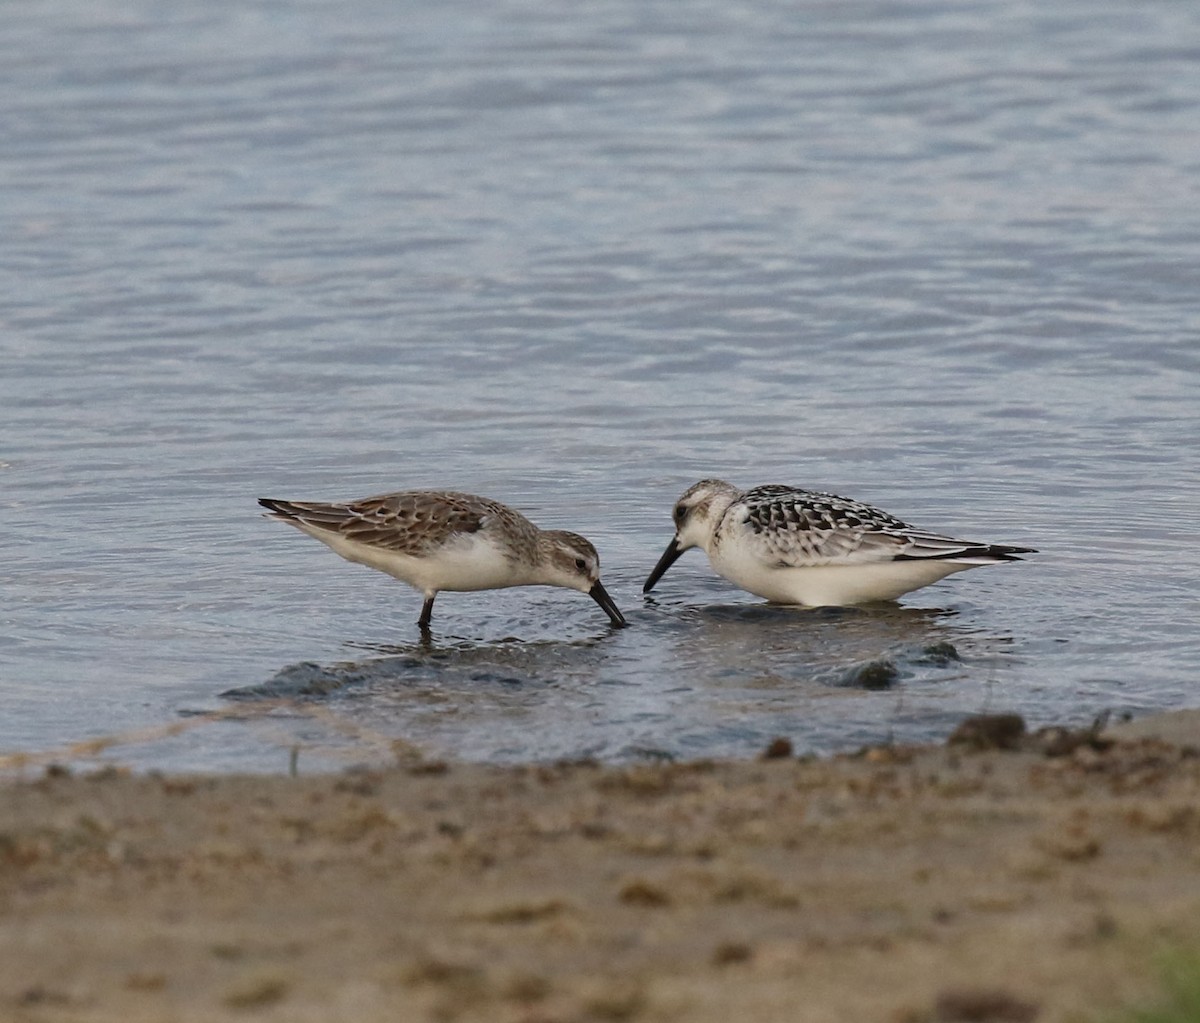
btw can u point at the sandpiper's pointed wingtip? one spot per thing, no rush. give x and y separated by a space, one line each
276 509
1009 553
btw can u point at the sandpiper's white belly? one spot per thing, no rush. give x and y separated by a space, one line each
465 562
829 585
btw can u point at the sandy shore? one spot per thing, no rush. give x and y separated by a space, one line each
900 885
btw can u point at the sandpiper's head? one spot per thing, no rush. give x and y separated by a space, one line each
695 515
571 561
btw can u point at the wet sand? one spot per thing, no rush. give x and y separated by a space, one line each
905 885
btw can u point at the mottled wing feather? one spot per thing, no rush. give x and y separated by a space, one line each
796 528
411 523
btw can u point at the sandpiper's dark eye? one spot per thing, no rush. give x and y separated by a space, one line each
680 512
580 564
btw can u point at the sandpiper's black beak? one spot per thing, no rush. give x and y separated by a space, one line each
600 595
670 556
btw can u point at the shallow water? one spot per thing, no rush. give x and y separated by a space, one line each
939 257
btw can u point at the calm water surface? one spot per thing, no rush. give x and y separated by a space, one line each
941 256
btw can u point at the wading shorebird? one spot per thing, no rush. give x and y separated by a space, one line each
442 540
804 547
